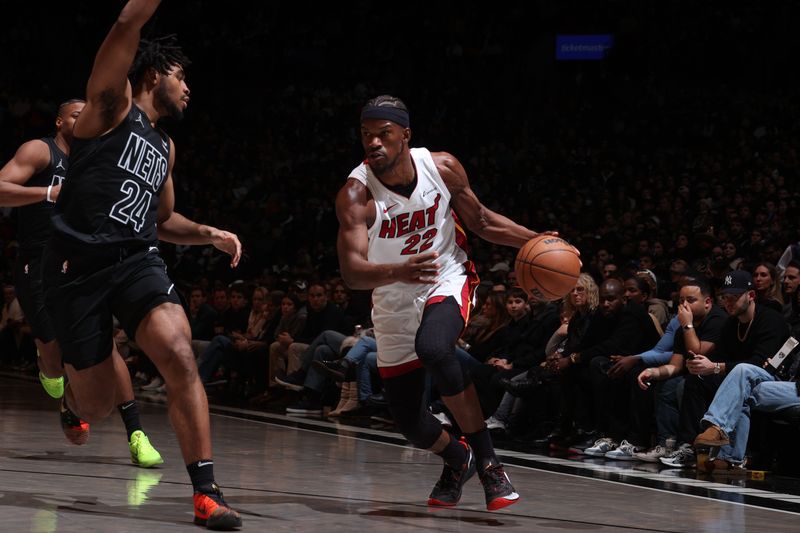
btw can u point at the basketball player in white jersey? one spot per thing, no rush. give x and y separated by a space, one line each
399 234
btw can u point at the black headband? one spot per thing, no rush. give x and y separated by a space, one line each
399 116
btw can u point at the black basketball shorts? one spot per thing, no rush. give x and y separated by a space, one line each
83 290
30 292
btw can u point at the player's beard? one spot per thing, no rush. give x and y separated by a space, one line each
163 101
389 164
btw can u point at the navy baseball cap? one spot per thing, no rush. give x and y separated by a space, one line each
737 282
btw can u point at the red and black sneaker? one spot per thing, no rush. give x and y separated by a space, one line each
75 429
497 487
447 491
211 511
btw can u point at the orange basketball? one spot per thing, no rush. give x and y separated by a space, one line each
547 267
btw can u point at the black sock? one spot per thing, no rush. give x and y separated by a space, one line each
454 454
481 443
202 474
130 415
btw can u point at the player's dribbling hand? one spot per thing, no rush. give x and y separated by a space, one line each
420 269
229 243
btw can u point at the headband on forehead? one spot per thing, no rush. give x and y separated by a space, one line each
399 116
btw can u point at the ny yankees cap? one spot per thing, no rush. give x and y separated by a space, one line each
737 282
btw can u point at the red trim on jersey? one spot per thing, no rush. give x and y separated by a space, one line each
461 235
435 300
399 370
467 292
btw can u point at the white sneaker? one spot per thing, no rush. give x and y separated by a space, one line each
625 452
683 457
653 454
493 423
442 418
601 447
156 383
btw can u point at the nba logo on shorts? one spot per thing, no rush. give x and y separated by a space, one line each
64 267
26 269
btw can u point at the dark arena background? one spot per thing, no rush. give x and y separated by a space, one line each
659 138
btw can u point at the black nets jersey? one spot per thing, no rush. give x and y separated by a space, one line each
110 196
34 219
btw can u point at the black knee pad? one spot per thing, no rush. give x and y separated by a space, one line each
435 345
412 418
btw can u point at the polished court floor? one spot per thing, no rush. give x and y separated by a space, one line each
300 475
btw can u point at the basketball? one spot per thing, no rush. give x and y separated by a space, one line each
547 267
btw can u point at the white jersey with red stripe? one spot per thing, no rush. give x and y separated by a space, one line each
404 227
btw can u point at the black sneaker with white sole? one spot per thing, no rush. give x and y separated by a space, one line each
683 457
447 491
497 487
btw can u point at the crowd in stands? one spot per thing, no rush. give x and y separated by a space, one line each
671 182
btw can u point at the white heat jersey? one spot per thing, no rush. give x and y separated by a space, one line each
405 227
408 226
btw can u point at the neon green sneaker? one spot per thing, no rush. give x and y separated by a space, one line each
52 386
142 452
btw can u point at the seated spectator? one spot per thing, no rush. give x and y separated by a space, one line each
630 330
637 291
219 300
527 333
580 310
699 323
201 315
656 306
751 333
276 343
341 297
354 371
765 282
308 379
233 342
610 270
489 335
746 388
791 279
234 317
730 251
321 315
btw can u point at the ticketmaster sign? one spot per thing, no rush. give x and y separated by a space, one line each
583 47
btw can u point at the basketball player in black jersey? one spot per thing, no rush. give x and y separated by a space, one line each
116 203
31 182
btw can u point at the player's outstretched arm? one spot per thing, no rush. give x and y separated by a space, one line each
108 92
481 220
352 210
31 158
177 229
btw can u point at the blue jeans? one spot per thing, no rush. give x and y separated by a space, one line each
211 358
364 354
324 348
467 364
507 404
667 409
746 387
330 341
